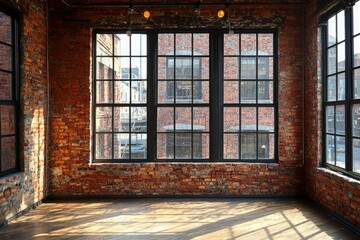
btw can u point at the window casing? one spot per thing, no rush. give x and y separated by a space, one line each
341 74
184 112
9 103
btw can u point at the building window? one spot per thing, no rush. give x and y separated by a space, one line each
341 86
8 94
177 96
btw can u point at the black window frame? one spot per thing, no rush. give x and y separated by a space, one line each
349 100
15 101
215 91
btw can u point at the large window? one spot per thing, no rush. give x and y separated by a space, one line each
169 107
342 96
8 94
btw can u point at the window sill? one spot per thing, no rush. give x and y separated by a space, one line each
338 174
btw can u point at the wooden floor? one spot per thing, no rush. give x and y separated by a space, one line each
163 218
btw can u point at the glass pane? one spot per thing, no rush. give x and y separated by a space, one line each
183 119
183 43
138 45
104 45
103 146
266 44
201 44
265 146
138 119
121 119
138 91
248 119
331 31
266 119
122 91
340 119
104 92
183 91
138 68
341 26
356 18
8 153
122 44
166 68
138 146
122 68
248 68
7 120
201 91
201 68
265 68
341 57
248 146
331 60
183 146
231 92
231 44
201 117
341 87
340 151
231 67
248 91
357 83
165 119
201 143
183 68
248 44
271 146
5 57
356 120
265 91
5 86
5 21
231 119
330 127
104 68
357 51
165 146
231 146
356 155
121 146
330 149
165 92
331 88
103 119
166 44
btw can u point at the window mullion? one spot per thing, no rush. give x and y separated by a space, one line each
151 98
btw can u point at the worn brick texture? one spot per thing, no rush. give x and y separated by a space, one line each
22 190
70 75
335 192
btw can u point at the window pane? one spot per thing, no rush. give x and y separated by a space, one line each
121 146
341 57
265 68
201 144
340 119
201 119
248 91
248 68
103 119
340 151
265 91
231 44
138 68
138 119
231 146
266 44
341 87
165 68
5 21
357 83
165 92
122 68
248 146
104 69
331 60
331 88
231 67
122 45
7 120
5 86
248 44
165 119
201 91
183 43
356 18
201 44
231 92
330 149
356 120
183 119
121 119
356 155
330 119
341 26
104 44
183 68
122 91
331 31
201 68
104 92
183 91
103 149
357 51
266 119
231 119
8 156
265 146
138 44
5 57
248 119
165 146
166 44
138 91
183 146
138 146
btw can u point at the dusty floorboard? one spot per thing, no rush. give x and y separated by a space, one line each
162 218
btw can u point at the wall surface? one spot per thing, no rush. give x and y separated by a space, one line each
70 68
22 190
334 191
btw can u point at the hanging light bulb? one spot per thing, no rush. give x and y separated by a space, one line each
146 14
221 13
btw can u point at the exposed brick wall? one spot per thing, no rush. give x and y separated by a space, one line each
70 68
335 192
22 190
